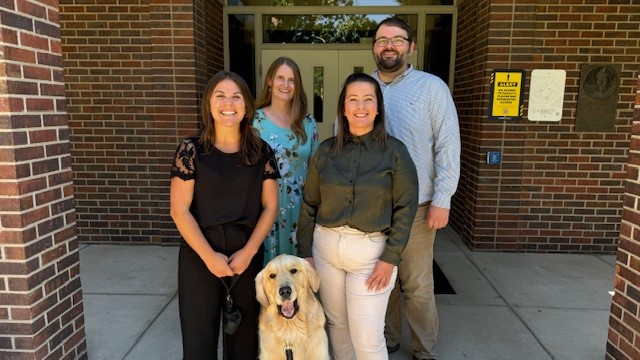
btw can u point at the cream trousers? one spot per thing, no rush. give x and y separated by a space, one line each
345 258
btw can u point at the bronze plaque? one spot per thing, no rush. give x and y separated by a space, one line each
598 97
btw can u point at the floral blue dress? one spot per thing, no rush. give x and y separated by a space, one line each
293 161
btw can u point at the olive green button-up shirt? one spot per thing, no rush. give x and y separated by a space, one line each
368 187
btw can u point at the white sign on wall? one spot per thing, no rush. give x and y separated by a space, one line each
546 95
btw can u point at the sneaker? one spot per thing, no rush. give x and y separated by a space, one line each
394 348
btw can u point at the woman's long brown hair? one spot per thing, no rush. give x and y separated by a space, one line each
299 101
379 132
250 142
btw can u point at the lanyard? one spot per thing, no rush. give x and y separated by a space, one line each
234 280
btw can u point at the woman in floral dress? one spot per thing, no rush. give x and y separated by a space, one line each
283 122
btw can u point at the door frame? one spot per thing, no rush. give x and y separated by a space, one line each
337 64
307 60
258 11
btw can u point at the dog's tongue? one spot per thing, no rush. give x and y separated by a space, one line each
287 308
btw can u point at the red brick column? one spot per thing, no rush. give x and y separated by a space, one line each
134 72
624 323
41 312
557 189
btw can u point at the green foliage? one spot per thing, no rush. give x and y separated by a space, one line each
329 28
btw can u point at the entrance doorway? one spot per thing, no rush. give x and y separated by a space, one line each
324 39
323 73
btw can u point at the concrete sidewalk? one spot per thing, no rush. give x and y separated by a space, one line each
507 306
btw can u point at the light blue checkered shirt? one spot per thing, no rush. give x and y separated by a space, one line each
420 112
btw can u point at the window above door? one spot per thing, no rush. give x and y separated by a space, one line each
337 2
323 28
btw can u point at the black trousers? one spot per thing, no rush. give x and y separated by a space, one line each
202 301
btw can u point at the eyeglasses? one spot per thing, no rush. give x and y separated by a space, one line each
395 41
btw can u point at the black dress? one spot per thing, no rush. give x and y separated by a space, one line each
227 202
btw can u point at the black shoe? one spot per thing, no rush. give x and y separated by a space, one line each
394 348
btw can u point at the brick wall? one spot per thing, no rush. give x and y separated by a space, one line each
209 50
624 323
557 190
133 71
41 312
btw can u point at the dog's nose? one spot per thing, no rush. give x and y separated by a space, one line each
285 292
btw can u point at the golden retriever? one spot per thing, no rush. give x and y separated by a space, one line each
291 316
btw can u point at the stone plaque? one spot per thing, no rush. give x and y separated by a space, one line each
598 97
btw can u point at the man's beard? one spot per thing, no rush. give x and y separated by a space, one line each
389 65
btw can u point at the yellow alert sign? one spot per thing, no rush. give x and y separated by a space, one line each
506 101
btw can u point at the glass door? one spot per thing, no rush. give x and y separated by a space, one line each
323 73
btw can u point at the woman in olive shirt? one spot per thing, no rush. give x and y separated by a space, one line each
359 203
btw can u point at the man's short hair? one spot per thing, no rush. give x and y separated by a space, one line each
396 22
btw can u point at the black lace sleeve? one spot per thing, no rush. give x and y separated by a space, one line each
270 165
184 162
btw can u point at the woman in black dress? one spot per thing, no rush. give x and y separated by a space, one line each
224 199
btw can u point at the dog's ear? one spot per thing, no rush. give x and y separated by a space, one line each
312 276
261 295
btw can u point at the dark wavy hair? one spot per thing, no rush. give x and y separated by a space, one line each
343 135
299 101
250 142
